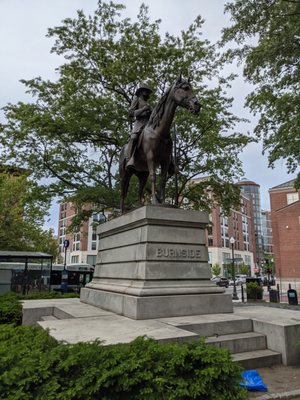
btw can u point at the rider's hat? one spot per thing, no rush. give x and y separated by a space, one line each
143 86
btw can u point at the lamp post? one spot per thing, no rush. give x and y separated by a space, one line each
234 294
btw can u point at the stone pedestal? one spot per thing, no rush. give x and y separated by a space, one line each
152 263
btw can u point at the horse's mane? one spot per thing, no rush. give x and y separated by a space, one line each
159 110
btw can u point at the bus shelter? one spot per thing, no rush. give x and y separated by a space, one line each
24 272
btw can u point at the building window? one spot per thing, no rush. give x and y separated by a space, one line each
247 260
226 260
76 237
292 197
74 259
76 246
209 258
76 241
94 246
91 260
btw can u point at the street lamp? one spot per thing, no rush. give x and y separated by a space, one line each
234 294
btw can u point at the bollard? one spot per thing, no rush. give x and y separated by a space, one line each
290 286
242 293
279 293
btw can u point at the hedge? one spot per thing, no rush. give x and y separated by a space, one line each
33 365
11 308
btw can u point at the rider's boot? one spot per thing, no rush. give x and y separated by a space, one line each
129 155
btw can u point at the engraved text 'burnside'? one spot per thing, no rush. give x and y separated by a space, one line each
178 253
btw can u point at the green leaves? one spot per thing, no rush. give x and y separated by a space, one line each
11 309
216 269
72 132
267 33
23 206
38 367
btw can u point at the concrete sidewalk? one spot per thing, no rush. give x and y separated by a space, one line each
73 321
282 383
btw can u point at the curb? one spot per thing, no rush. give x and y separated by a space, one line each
293 394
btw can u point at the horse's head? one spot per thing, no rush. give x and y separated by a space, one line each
185 97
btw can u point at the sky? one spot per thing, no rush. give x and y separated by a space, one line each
25 54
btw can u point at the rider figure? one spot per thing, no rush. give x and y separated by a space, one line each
140 111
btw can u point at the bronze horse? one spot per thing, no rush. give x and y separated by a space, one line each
155 144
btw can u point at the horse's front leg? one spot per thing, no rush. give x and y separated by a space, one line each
163 181
151 168
125 179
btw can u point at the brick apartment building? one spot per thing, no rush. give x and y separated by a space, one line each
267 237
239 224
252 191
83 243
285 212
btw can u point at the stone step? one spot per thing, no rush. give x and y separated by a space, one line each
257 359
239 342
223 327
48 318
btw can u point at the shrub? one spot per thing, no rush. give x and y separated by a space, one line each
48 295
11 308
24 362
254 291
35 366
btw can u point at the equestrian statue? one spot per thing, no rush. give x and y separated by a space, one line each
150 143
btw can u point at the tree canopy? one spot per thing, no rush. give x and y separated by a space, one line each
72 131
22 212
267 34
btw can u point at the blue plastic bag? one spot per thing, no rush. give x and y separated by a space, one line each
253 382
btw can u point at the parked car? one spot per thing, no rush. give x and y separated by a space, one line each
220 281
264 279
238 281
241 278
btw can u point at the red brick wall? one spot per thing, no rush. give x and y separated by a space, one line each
217 240
69 213
286 233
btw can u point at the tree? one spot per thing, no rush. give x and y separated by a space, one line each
216 269
244 269
73 131
22 212
267 34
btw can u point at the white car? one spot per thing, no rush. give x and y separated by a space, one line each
242 278
238 281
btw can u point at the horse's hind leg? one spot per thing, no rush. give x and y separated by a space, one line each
163 181
151 168
143 176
